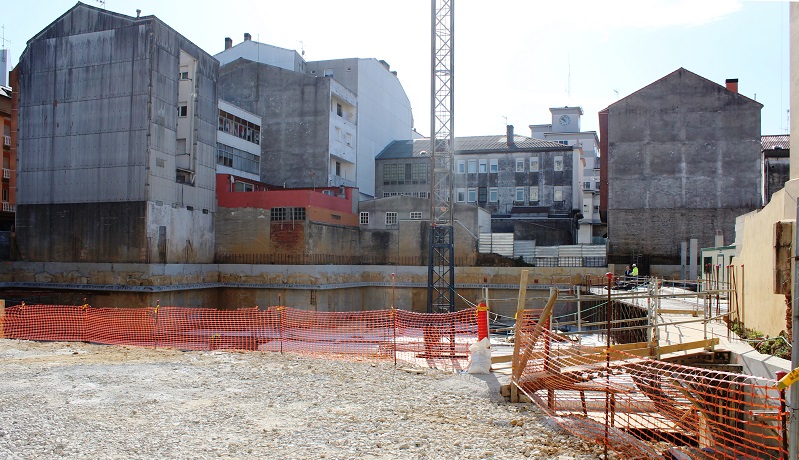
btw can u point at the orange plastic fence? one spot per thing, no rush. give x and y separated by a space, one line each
439 340
646 408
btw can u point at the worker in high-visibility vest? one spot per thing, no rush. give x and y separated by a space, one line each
634 271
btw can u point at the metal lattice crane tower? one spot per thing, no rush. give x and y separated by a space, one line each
441 269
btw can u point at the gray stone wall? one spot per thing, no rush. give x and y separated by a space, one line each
97 126
295 109
684 160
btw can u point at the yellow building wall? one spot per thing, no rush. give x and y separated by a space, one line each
756 266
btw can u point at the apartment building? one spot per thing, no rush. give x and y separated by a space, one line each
530 186
117 142
565 128
324 121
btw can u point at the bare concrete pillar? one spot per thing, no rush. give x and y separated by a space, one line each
683 259
694 250
719 238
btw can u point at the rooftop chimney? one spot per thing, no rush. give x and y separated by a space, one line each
138 13
247 37
510 135
228 43
732 84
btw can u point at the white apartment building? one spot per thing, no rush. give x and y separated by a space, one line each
238 144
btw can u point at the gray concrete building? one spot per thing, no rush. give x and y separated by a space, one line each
299 115
565 129
776 164
117 142
530 186
367 110
683 161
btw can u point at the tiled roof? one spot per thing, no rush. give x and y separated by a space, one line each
470 144
776 141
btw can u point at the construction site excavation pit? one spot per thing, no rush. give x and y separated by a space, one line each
78 400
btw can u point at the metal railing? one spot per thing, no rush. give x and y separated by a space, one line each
8 207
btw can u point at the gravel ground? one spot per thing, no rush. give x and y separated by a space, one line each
74 400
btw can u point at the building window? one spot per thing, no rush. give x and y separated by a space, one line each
284 214
493 165
239 127
339 110
338 134
338 168
533 164
391 218
472 195
482 167
461 167
586 186
416 215
349 139
472 166
558 195
481 194
520 193
184 75
558 163
183 110
5 195
533 194
597 185
460 194
519 165
364 218
328 72
493 194
237 159
239 186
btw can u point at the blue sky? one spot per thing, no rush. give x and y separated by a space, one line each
514 59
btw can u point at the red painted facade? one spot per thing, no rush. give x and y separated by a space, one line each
320 207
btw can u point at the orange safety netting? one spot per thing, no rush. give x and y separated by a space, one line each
647 408
439 340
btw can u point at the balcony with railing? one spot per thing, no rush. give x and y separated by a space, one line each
7 141
8 207
7 173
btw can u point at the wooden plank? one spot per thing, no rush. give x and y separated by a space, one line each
677 311
688 346
599 355
514 393
501 359
543 321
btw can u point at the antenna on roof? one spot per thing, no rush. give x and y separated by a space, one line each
3 40
788 121
506 119
101 2
302 49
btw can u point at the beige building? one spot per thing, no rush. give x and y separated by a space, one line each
764 239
